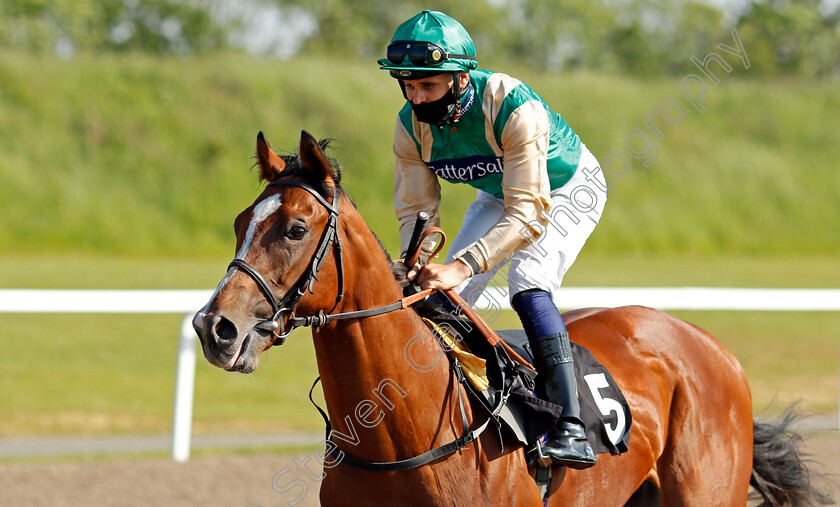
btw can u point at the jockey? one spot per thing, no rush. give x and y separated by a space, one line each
540 194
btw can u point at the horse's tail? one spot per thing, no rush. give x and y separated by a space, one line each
779 474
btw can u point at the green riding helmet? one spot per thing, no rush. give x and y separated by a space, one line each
430 42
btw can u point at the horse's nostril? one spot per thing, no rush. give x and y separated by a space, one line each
225 330
198 324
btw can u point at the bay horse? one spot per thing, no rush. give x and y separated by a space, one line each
391 396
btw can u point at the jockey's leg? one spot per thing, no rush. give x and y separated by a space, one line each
566 444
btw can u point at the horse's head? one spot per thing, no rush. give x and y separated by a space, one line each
282 240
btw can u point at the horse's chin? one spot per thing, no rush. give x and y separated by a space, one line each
245 356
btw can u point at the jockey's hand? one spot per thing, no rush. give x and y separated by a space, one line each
440 276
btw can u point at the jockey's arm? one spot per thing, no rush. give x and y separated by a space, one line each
525 186
416 188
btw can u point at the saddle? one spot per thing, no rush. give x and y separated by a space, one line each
502 364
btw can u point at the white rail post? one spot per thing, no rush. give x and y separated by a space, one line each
184 388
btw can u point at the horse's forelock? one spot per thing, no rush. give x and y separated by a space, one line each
296 168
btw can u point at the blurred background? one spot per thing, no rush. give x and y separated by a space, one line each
127 130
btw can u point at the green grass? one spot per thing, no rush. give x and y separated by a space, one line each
114 374
138 156
787 356
110 272
109 374
710 271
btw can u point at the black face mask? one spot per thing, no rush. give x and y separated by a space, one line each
437 112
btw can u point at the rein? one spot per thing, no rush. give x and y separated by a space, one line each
467 437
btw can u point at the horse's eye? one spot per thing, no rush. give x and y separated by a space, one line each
296 232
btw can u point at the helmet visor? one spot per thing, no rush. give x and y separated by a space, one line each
420 54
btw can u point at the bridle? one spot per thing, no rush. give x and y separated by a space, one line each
285 306
284 321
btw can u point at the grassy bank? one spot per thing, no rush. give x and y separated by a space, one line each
144 157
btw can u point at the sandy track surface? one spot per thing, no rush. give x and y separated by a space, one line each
231 480
208 481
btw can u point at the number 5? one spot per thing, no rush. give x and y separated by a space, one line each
597 381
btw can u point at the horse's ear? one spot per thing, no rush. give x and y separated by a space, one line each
271 165
313 157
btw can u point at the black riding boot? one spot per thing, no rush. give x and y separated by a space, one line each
566 444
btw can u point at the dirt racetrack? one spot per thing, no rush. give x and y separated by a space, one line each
229 480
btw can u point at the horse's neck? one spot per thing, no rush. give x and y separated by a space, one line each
385 369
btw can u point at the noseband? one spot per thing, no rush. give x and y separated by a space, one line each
285 306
